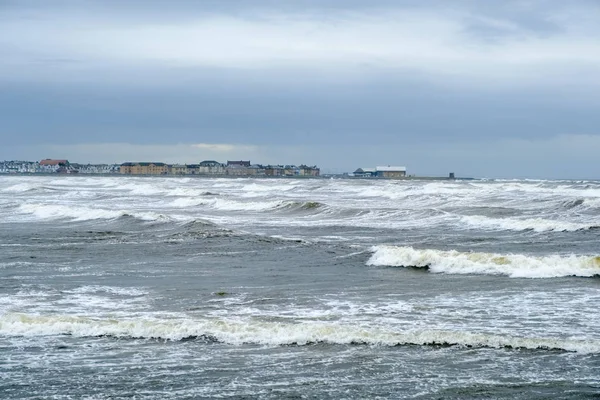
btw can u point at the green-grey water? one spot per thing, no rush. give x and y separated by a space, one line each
125 287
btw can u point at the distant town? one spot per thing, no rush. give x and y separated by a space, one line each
204 168
209 167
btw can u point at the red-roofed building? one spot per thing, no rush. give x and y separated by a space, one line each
50 162
55 166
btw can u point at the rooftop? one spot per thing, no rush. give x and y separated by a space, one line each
391 169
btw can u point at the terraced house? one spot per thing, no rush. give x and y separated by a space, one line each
144 168
211 167
214 168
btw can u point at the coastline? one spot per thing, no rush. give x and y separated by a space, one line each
324 176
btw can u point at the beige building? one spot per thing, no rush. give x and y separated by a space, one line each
305 170
209 167
144 168
179 169
274 170
391 172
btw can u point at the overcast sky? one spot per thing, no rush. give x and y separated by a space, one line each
479 88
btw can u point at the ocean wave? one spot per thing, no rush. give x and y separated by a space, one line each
189 192
142 189
21 188
79 213
197 224
527 224
272 333
235 205
592 203
512 265
120 291
568 204
186 202
28 188
232 205
302 205
225 204
198 229
260 189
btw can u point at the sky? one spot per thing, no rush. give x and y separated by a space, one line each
496 89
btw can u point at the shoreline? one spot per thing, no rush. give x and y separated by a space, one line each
326 176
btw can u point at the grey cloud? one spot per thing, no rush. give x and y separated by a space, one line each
96 31
380 112
352 82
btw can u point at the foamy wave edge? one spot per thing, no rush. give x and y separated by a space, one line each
512 265
79 213
533 224
271 333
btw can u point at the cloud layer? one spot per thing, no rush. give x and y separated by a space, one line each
382 79
438 43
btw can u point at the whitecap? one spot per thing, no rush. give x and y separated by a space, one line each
237 332
512 265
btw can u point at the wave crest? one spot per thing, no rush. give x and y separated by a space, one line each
272 333
512 265
528 224
78 213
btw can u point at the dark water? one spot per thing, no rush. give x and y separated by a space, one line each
241 288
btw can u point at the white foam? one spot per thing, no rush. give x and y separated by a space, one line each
513 265
222 204
232 205
185 202
227 205
592 203
121 291
79 213
258 189
271 333
186 191
535 224
251 204
20 188
142 189
52 211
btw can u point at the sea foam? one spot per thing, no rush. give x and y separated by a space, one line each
512 265
21 188
533 224
79 213
238 332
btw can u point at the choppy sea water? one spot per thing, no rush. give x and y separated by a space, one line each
125 287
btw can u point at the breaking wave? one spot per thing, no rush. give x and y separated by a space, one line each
235 205
512 265
302 205
530 224
92 289
272 333
568 204
230 205
78 213
21 188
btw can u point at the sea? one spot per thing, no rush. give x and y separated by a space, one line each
123 287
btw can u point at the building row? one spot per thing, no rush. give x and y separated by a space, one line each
211 167
50 166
